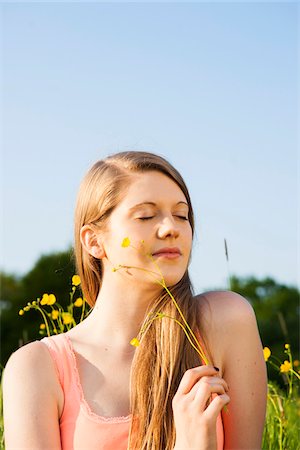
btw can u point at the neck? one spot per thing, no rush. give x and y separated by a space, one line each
119 312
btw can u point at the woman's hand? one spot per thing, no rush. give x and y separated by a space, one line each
195 413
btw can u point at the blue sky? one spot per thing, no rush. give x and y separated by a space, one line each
210 86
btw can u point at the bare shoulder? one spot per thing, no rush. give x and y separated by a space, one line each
32 357
223 315
229 323
33 366
30 399
224 308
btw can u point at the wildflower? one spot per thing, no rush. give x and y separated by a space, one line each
21 312
42 326
78 302
26 308
51 299
185 326
67 318
76 280
296 363
44 300
126 242
285 367
267 353
54 314
135 342
287 346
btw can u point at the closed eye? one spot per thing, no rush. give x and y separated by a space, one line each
145 218
151 217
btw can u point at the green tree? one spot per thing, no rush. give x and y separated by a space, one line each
277 310
52 273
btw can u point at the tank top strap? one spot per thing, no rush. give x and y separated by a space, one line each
63 361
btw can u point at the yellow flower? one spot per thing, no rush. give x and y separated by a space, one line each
44 300
76 280
126 242
54 314
296 363
287 346
267 353
51 299
67 318
42 326
21 312
135 342
285 367
78 302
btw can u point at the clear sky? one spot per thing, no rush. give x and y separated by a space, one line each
210 86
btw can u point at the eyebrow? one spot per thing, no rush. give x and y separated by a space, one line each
153 204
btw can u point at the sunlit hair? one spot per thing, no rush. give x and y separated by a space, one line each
164 353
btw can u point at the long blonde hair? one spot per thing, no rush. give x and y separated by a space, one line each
164 353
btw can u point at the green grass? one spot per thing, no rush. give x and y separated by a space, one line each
1 415
282 428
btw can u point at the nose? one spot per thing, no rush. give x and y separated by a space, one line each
167 228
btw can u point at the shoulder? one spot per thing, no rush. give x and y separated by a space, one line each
224 307
34 353
32 365
224 315
30 399
230 326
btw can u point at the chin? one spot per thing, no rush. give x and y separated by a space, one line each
173 279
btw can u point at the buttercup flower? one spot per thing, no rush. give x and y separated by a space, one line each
21 312
76 280
285 367
67 318
51 299
135 342
45 299
54 314
185 326
42 326
78 302
267 353
287 346
126 242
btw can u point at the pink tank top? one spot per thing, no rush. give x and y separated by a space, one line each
81 428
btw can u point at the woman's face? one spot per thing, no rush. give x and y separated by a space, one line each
154 216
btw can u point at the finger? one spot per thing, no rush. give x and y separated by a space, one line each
204 394
216 406
208 379
191 376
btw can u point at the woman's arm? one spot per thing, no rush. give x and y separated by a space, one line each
244 369
31 419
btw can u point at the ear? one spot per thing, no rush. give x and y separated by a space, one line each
91 241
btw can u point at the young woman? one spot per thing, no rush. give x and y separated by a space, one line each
89 388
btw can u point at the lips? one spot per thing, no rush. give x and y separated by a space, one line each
167 251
